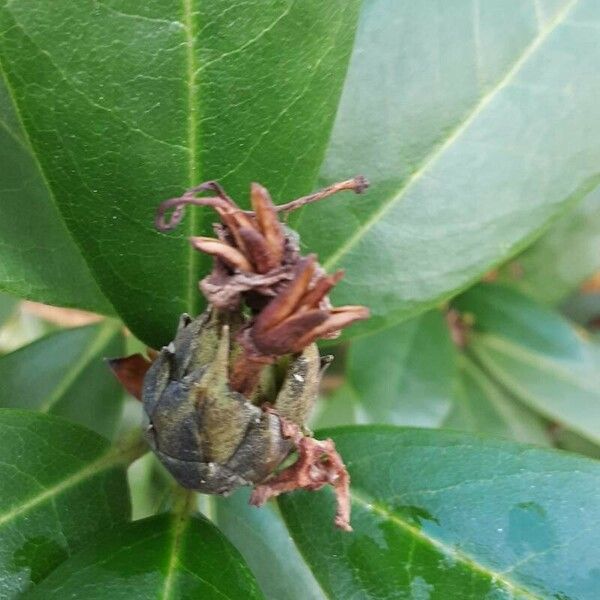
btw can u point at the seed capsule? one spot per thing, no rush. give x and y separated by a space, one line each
226 401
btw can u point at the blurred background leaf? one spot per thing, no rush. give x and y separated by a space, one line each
553 268
583 307
402 375
536 355
482 406
64 374
8 307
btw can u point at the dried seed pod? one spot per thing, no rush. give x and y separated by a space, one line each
226 401
209 436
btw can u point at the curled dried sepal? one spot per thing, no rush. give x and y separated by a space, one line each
318 464
130 371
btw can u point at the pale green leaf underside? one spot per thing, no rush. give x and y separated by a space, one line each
476 123
64 374
265 543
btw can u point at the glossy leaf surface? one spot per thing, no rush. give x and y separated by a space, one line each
537 356
39 260
127 104
161 557
476 124
442 515
64 374
60 484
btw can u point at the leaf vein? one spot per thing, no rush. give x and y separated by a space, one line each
455 134
444 548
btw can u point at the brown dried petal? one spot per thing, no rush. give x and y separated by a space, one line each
313 297
286 302
318 464
224 290
257 250
232 225
338 319
228 254
267 220
284 338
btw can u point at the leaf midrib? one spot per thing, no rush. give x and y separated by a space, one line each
105 462
182 519
193 136
181 522
439 150
468 561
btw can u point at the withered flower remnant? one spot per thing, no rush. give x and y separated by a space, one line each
299 315
255 255
226 401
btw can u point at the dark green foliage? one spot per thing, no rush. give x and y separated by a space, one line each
477 124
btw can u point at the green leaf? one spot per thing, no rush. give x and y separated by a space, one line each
150 485
125 106
8 306
64 374
170 557
403 375
264 541
39 260
59 485
442 515
475 124
537 356
556 265
343 406
481 406
567 440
